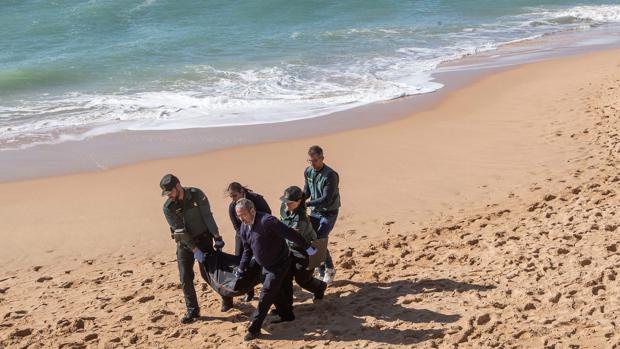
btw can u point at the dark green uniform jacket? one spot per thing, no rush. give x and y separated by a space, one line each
299 221
322 188
192 213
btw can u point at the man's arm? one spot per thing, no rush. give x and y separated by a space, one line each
247 248
172 219
331 184
289 234
207 216
175 222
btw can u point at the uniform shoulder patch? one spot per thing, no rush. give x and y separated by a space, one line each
168 204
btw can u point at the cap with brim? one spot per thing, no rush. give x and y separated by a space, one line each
293 193
167 183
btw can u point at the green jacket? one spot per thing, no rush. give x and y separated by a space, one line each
299 221
193 214
322 188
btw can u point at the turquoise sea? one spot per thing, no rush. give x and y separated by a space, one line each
74 69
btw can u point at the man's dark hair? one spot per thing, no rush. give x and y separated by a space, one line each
315 150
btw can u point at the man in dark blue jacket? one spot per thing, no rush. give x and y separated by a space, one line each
237 191
321 187
264 237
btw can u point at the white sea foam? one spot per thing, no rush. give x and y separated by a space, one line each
603 13
282 92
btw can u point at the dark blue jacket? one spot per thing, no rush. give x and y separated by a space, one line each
259 203
265 240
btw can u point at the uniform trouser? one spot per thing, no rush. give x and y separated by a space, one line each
277 290
185 262
304 278
323 223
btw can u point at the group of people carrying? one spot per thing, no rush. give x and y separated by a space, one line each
280 247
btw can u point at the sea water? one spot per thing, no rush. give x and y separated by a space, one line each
76 69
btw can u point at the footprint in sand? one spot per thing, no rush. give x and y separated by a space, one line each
145 299
597 289
126 299
549 197
159 314
347 264
66 284
555 298
483 319
21 333
90 337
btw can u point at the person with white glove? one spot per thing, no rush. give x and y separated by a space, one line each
293 214
264 237
193 228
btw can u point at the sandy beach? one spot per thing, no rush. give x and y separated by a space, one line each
488 220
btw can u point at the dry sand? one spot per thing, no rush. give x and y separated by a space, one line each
488 221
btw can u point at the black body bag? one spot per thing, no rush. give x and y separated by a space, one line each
218 272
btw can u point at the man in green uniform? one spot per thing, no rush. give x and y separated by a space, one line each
193 227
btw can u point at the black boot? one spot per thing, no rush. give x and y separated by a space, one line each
282 319
227 304
251 336
190 316
321 291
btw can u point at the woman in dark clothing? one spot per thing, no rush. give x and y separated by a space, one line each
236 191
293 214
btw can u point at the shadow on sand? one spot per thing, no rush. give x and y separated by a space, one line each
342 316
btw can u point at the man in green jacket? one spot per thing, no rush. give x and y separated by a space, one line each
321 187
193 227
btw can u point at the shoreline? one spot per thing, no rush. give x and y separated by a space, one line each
114 150
461 151
489 220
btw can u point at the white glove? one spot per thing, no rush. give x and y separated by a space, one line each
311 251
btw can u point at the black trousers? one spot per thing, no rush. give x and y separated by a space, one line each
277 290
185 263
304 278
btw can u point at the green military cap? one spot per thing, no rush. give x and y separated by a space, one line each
293 193
168 182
